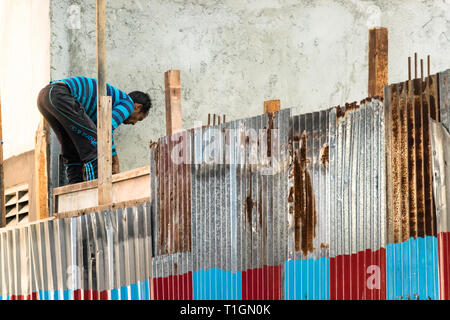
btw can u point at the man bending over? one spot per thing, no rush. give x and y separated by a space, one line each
70 107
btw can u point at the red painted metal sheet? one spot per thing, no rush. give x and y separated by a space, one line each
359 276
262 283
77 294
32 296
177 287
444 265
87 295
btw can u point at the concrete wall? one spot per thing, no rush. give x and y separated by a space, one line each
24 69
235 54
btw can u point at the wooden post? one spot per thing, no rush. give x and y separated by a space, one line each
378 61
415 65
2 185
421 69
271 106
41 170
174 120
409 68
104 105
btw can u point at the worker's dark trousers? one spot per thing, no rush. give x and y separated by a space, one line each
76 132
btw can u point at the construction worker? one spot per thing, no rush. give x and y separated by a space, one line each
70 107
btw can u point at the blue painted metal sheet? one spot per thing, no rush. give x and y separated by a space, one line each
412 269
307 279
216 284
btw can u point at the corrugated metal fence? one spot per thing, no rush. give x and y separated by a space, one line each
336 204
412 250
441 156
237 215
103 255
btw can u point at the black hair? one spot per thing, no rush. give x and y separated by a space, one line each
142 98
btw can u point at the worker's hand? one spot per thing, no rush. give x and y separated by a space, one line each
115 164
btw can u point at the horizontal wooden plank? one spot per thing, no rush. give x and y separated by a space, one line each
93 184
81 212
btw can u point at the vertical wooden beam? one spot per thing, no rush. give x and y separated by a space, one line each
415 65
421 69
104 105
41 161
409 68
271 106
174 120
104 151
378 61
2 185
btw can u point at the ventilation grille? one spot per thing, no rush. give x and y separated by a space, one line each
17 205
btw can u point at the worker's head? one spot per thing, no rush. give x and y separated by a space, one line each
142 105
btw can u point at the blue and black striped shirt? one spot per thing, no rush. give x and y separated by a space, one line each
84 89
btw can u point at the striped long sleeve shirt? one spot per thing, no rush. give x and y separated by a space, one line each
84 89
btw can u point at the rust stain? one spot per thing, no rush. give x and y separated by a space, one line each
263 225
248 206
174 199
340 112
269 134
324 155
404 152
304 202
411 158
324 245
155 146
163 205
418 105
351 106
249 203
291 195
413 212
431 110
395 162
427 166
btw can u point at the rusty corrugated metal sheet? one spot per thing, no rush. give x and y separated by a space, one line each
238 205
171 195
269 207
307 267
441 156
412 256
103 255
357 210
337 236
410 204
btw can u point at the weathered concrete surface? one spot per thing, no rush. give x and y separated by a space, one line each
235 54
